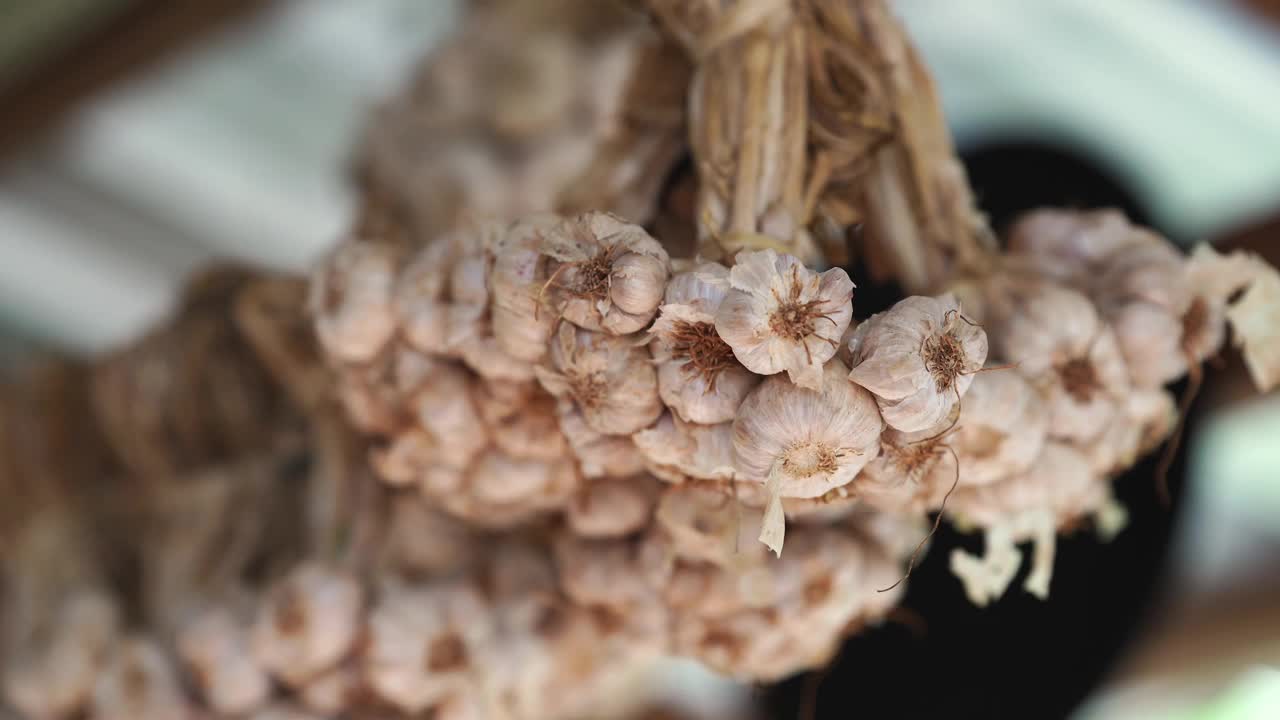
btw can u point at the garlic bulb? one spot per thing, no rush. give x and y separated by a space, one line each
608 377
1144 294
918 358
1003 425
138 683
914 471
1146 419
332 691
532 432
424 644
811 440
1068 245
1060 482
608 275
308 622
618 574
612 507
351 300
1056 338
598 455
445 409
215 647
521 325
675 450
699 377
419 297
707 524
780 315
804 443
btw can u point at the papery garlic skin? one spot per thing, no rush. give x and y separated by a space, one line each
609 378
699 377
308 623
918 358
812 440
779 315
608 275
351 298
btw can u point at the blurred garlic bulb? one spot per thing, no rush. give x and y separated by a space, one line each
138 683
1061 482
421 541
419 297
56 679
520 326
802 442
618 574
351 300
708 524
532 432
1002 427
612 507
502 490
610 379
483 354
1144 294
406 459
445 409
598 455
423 643
609 275
1147 417
307 623
1067 245
913 472
372 394
674 449
699 377
918 358
1057 340
215 648
779 315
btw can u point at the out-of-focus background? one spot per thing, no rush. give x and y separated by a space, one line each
142 138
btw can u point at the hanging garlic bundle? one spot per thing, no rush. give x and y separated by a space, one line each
559 407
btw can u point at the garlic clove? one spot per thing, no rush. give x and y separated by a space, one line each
612 507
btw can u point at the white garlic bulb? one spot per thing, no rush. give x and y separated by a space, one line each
351 299
1067 245
419 297
699 377
1061 483
619 574
804 443
914 471
609 275
609 378
779 315
307 623
918 358
708 524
